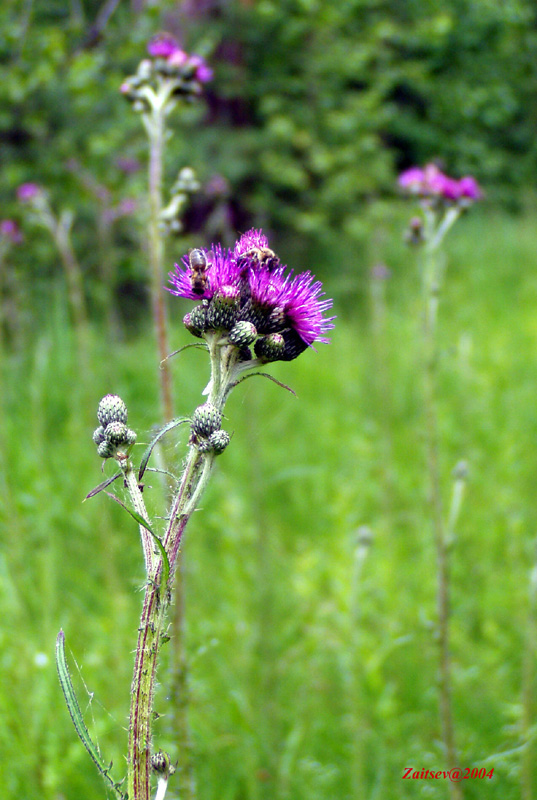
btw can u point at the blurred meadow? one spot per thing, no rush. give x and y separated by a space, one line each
310 569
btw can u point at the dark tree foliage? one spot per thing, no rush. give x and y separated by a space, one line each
314 107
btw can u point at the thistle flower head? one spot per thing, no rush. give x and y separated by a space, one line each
469 188
431 183
221 270
251 240
28 192
163 45
169 73
248 292
10 230
202 71
304 309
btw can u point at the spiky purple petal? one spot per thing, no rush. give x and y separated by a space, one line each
221 271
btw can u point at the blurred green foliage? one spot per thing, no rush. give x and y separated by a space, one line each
304 684
313 108
309 678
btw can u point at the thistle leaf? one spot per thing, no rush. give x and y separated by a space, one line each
184 347
78 720
102 486
262 375
162 550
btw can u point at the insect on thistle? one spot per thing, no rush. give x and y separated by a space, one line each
198 270
263 256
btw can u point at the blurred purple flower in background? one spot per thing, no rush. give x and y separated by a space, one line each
11 231
431 182
203 73
163 45
128 165
28 191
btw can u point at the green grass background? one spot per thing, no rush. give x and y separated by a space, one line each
313 675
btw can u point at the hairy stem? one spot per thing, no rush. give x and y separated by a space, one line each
148 546
143 687
156 128
196 473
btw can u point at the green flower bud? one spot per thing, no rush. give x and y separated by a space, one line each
114 441
270 347
203 445
187 322
111 409
196 320
294 345
98 435
242 333
160 763
223 309
130 437
116 433
105 450
218 441
206 420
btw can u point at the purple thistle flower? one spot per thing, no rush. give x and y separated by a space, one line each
267 287
27 191
251 240
470 188
10 230
128 165
304 309
203 73
163 45
178 59
432 182
221 271
412 179
249 285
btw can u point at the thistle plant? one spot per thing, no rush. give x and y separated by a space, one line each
250 310
40 211
169 76
442 200
10 235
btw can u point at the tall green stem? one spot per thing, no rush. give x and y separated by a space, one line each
155 126
195 477
431 290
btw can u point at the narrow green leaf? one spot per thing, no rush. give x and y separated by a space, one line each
180 350
262 375
76 715
168 427
145 524
102 485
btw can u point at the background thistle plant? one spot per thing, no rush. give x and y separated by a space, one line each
442 200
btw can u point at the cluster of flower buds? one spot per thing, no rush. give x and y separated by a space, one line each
186 184
207 434
182 74
429 183
113 438
250 298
